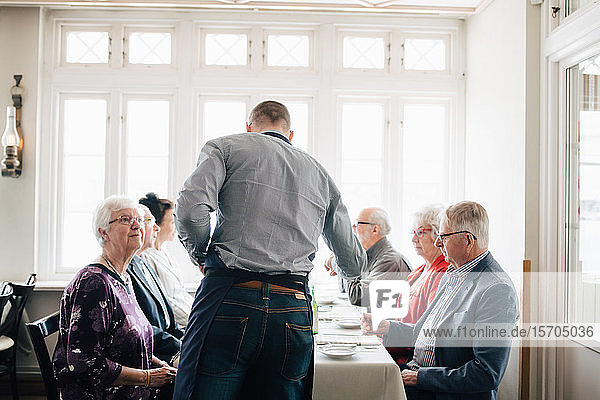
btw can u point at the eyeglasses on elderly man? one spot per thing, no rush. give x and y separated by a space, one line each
442 236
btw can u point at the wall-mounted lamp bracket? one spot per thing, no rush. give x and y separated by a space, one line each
13 148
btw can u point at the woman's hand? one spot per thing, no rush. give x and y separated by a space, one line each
162 376
367 325
409 378
329 267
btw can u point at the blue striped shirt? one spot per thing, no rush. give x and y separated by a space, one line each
424 354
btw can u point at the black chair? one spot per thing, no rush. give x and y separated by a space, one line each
39 331
9 330
5 342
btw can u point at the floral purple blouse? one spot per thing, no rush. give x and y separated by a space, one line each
101 329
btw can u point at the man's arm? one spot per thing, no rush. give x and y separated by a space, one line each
198 197
350 258
400 334
165 345
386 267
498 305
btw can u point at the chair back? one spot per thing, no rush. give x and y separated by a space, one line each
18 300
39 331
5 293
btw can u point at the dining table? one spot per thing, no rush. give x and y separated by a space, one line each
370 373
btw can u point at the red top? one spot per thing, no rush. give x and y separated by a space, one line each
423 288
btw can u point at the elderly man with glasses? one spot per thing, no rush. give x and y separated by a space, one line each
383 262
475 297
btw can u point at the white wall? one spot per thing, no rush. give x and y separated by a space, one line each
19 30
495 124
495 136
19 49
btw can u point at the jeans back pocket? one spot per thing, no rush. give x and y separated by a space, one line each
298 351
222 345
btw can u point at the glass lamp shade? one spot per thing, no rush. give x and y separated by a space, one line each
10 136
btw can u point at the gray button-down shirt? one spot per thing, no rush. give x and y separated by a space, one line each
383 263
272 203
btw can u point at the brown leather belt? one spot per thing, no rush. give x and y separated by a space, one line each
272 287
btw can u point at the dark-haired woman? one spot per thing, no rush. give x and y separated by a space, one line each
157 258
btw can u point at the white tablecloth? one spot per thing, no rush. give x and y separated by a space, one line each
369 375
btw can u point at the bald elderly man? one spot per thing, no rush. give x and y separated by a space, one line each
383 262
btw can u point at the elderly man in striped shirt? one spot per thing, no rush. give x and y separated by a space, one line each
475 297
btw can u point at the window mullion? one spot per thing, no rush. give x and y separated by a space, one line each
113 147
257 52
116 46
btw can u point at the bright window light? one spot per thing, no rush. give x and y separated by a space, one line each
150 48
364 52
288 51
148 127
226 49
87 47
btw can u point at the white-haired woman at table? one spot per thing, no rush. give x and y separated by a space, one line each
104 348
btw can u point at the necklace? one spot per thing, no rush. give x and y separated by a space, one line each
123 277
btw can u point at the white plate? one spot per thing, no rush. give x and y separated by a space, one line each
348 323
343 296
338 352
323 301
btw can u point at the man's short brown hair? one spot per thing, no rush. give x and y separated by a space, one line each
269 112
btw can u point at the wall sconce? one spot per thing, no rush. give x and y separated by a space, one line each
12 142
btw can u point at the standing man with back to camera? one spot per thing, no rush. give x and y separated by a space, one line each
249 333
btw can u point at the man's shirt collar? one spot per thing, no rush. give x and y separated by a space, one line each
277 134
464 269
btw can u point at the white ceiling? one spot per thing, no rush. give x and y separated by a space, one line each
432 7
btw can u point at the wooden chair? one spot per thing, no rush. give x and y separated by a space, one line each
39 331
9 330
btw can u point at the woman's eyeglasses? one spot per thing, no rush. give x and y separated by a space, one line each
128 220
420 232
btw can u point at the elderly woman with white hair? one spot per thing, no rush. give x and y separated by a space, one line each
424 280
104 347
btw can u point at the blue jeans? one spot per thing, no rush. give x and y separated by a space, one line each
259 346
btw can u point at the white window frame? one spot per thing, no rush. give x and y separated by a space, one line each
576 39
448 54
60 211
201 47
128 29
299 32
64 29
187 80
385 35
165 96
